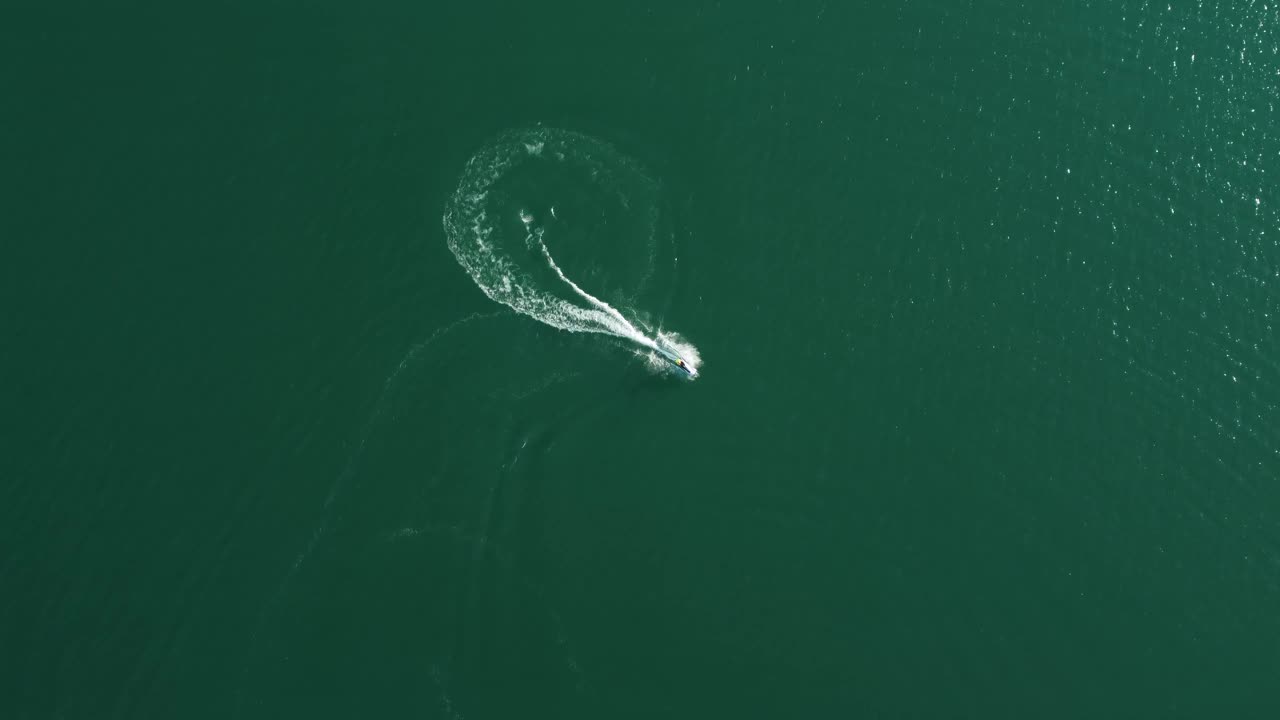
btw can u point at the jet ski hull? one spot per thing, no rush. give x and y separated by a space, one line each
677 361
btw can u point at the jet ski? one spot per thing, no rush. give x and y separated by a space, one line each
678 361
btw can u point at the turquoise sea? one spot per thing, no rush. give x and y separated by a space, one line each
330 386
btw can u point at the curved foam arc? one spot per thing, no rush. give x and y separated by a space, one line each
470 235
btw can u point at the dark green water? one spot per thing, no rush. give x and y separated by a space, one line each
985 294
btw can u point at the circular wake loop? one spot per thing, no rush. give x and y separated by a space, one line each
596 206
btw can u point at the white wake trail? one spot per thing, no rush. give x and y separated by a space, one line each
623 327
484 241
